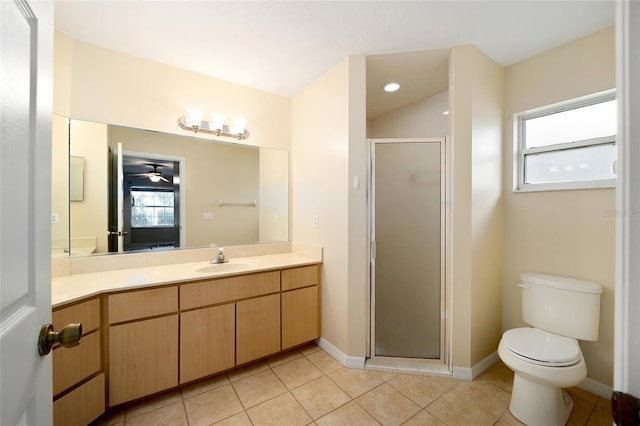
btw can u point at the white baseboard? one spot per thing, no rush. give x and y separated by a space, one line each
344 359
459 373
597 388
468 374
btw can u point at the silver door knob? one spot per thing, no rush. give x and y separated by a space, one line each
68 337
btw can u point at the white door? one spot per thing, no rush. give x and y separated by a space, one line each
26 46
627 292
120 199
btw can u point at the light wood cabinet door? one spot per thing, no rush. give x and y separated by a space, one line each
82 405
207 341
73 365
299 316
257 328
143 358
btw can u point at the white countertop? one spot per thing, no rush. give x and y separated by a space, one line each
70 288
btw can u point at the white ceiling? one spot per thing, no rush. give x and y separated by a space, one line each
282 46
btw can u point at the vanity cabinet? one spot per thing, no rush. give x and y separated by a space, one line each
300 315
143 343
78 378
242 325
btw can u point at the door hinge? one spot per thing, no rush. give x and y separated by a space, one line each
373 249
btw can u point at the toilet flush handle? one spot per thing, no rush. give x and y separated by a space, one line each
525 286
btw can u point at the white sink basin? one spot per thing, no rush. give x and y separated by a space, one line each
219 267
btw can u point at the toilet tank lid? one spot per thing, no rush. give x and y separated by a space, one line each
565 283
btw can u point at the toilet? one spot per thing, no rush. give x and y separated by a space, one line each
546 357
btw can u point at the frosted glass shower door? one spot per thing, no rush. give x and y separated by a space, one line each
407 231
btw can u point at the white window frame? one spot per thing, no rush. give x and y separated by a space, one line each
521 151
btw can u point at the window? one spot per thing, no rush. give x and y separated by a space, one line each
568 146
151 208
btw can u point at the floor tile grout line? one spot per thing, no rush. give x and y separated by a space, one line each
244 410
184 407
495 382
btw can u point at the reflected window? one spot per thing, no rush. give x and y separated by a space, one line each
568 146
151 208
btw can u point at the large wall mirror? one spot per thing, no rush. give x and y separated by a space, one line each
176 191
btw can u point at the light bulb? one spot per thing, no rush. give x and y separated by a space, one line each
391 87
154 178
239 125
195 116
217 121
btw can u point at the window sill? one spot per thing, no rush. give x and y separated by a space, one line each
568 187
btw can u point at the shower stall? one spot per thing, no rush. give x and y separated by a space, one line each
408 234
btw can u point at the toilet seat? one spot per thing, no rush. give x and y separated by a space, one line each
542 348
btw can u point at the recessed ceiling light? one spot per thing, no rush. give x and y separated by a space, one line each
391 87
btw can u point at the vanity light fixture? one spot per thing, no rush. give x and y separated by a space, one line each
193 121
391 87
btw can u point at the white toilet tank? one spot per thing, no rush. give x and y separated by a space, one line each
560 305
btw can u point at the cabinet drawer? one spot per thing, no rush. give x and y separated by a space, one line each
82 405
142 303
222 290
72 365
299 277
87 313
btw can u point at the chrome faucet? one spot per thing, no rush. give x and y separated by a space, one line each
220 258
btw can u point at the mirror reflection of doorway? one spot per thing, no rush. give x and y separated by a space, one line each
151 202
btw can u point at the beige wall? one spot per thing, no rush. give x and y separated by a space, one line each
60 179
62 67
417 120
487 223
570 233
274 197
101 85
476 207
320 161
89 217
358 295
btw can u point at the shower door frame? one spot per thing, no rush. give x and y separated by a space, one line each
440 365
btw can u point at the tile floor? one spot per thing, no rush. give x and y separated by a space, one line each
307 386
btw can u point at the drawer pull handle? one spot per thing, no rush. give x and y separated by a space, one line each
68 337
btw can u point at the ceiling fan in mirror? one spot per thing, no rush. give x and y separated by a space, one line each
153 175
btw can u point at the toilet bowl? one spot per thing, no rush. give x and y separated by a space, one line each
546 357
543 364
